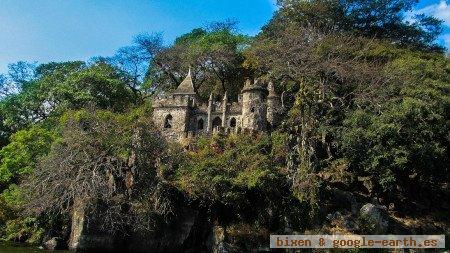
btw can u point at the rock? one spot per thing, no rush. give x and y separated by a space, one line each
350 223
375 217
348 198
367 183
53 244
78 218
335 215
218 240
391 206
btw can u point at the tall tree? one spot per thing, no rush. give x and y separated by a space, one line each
21 72
214 55
58 87
382 19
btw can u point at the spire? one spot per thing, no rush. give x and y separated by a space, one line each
187 86
248 84
257 82
225 97
210 97
271 89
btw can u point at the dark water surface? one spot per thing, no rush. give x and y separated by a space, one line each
21 249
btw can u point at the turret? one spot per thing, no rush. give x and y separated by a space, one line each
253 106
186 90
173 115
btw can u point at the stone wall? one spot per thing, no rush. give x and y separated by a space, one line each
254 110
178 123
273 111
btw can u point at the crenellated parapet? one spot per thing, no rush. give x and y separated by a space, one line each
171 101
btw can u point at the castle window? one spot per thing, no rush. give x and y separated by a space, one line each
233 122
252 110
217 122
200 124
168 121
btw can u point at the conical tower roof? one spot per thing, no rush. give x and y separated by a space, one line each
186 87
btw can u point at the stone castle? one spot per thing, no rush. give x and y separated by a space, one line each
182 115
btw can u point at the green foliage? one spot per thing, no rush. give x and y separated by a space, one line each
17 160
191 37
224 168
24 230
214 55
20 156
242 178
13 196
100 85
388 122
380 19
409 136
58 87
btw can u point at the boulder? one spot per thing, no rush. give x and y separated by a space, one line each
375 217
54 243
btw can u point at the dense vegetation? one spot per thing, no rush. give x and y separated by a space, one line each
366 101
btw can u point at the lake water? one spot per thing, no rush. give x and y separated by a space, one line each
13 249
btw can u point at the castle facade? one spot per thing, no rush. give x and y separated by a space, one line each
181 114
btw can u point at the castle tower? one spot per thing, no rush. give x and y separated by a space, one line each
273 106
186 90
254 106
173 115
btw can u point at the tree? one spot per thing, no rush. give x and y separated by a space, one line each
404 147
214 55
58 69
355 91
34 101
105 162
100 85
20 156
63 86
133 61
6 87
380 19
21 72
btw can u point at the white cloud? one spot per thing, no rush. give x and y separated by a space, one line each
440 11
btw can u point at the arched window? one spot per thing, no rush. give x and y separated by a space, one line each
168 121
200 124
233 122
217 122
252 109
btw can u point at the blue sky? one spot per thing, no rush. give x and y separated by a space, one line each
60 30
